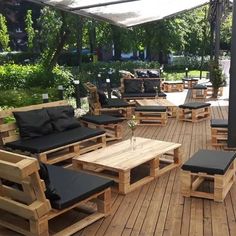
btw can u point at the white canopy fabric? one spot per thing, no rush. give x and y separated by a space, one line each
125 13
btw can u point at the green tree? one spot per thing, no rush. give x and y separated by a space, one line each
4 36
30 30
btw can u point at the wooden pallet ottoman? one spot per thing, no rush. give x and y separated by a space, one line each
219 132
194 111
173 86
151 115
112 125
189 82
199 91
208 165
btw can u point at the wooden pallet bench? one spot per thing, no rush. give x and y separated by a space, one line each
51 148
194 111
217 166
25 209
151 115
173 86
219 132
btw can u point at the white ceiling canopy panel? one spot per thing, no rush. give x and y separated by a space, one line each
134 13
125 13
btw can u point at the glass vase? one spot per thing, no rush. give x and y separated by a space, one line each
132 141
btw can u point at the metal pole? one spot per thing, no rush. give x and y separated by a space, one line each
45 98
60 92
77 93
232 86
217 29
108 82
186 72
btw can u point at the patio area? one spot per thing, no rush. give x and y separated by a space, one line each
158 208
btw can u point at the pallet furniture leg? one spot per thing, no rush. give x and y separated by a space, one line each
104 202
39 227
124 181
154 167
185 177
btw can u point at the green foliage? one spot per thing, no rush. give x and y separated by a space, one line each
217 77
49 24
25 97
29 29
4 36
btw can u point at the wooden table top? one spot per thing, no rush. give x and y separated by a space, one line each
120 156
155 102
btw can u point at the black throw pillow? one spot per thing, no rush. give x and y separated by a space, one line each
153 73
50 193
34 123
150 84
133 85
62 118
141 74
102 97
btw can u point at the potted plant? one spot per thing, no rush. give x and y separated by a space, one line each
217 77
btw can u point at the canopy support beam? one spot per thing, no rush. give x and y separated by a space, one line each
232 87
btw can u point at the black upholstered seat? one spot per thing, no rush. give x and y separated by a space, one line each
73 186
54 140
101 119
190 79
116 102
219 123
210 162
151 95
151 108
194 105
199 86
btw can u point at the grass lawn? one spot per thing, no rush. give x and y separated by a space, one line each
181 75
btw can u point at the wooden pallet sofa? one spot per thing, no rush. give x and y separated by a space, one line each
141 88
25 209
49 132
142 85
100 104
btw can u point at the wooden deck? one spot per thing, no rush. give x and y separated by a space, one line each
158 208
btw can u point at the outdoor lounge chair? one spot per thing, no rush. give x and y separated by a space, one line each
25 209
99 104
49 132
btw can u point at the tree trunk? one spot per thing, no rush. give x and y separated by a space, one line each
215 92
62 38
80 40
92 37
116 35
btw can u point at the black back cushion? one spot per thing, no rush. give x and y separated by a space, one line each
62 118
102 97
133 85
142 74
34 123
150 84
153 73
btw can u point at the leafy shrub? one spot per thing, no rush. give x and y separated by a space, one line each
23 97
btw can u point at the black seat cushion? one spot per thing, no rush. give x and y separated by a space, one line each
219 123
150 84
116 102
195 105
210 162
102 97
101 119
142 74
62 118
34 123
151 95
151 108
54 140
199 86
73 186
161 94
153 73
133 85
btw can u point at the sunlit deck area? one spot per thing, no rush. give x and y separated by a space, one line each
158 208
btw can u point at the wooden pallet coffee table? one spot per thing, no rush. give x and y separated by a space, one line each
117 161
171 108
